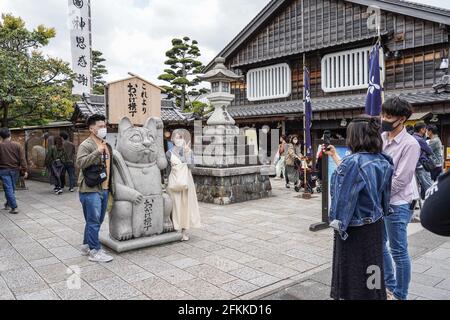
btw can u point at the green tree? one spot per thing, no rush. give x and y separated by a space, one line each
34 89
182 75
98 71
199 108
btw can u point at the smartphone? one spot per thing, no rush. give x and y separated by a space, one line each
327 139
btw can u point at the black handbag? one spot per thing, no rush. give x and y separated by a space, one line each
96 174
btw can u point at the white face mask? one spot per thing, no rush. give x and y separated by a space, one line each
102 133
179 143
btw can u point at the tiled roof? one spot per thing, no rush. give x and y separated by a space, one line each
172 114
260 110
95 104
90 105
334 103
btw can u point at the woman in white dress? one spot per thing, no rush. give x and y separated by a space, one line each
181 187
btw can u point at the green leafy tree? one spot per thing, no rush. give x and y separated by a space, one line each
182 75
98 71
34 89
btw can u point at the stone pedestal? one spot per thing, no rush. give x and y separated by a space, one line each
124 246
223 146
224 186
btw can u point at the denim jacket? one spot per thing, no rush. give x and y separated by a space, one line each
360 191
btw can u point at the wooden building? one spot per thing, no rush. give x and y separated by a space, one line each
335 38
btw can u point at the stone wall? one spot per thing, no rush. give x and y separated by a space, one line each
232 189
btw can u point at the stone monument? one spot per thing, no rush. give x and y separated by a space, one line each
227 168
141 213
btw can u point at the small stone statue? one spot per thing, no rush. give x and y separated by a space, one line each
140 209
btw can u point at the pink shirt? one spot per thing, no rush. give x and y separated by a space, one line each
405 152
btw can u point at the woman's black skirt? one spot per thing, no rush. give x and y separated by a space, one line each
358 264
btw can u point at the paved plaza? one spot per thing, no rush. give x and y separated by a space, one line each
256 250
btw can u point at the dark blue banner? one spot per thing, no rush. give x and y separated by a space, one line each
308 113
374 94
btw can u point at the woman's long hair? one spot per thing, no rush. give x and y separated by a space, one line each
295 137
363 135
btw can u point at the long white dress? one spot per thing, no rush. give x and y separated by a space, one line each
185 214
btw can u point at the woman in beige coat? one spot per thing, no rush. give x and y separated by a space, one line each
181 187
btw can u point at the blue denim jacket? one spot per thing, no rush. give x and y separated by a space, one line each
360 191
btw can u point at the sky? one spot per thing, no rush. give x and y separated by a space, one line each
135 34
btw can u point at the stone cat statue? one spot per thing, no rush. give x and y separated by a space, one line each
141 208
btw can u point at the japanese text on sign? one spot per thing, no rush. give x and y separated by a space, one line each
135 91
148 210
79 24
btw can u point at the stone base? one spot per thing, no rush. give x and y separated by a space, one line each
124 246
232 185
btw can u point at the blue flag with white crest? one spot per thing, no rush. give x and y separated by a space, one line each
374 98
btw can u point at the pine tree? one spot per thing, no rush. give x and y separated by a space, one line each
182 75
98 71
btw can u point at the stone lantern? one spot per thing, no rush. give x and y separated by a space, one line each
228 169
220 97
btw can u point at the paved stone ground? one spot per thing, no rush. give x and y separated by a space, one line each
430 272
260 249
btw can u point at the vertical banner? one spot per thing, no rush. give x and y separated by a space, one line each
374 98
81 44
308 113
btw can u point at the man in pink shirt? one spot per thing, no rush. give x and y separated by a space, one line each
405 152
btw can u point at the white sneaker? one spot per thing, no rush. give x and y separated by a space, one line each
185 236
85 250
99 256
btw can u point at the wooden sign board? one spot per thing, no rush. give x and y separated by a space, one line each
135 98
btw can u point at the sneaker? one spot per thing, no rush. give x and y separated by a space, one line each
185 237
71 190
14 211
288 186
6 206
60 191
99 256
390 295
85 250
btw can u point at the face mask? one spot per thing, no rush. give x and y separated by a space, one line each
101 133
389 126
179 143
